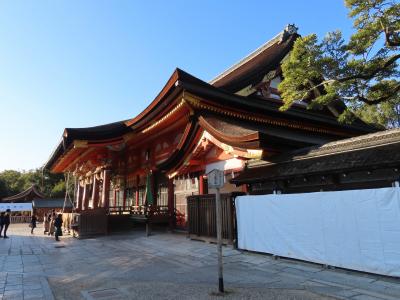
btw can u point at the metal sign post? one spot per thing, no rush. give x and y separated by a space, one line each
216 180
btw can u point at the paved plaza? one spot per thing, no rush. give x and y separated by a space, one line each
165 266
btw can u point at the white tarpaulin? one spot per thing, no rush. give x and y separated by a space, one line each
357 229
16 206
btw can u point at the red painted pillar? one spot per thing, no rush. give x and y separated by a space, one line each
137 197
95 193
105 197
203 185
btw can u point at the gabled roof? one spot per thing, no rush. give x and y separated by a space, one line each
252 68
28 194
218 96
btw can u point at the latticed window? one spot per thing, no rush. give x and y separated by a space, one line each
142 193
111 197
162 196
120 198
130 197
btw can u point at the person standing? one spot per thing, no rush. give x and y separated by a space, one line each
46 223
58 224
33 223
6 222
51 222
1 222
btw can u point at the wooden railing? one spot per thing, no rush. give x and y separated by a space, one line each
119 210
20 219
149 210
150 214
92 222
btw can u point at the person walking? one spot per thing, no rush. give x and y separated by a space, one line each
2 215
6 222
33 223
58 224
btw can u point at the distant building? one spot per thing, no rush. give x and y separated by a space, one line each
40 203
26 196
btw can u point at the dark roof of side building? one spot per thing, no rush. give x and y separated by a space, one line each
50 203
29 194
364 152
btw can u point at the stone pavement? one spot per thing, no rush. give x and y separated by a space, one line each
165 266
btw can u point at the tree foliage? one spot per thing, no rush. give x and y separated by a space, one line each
13 182
362 72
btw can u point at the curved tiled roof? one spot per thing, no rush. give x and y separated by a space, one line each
28 194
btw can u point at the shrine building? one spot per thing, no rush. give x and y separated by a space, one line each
162 155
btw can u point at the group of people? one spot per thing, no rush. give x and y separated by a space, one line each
4 223
52 224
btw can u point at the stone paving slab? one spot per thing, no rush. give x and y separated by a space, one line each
166 266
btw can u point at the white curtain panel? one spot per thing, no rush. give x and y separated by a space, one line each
357 229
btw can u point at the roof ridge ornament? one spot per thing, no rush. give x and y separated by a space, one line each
289 30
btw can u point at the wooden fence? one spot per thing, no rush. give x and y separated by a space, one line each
101 221
87 223
20 219
202 218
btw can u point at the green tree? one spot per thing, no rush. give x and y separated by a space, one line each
13 182
3 189
362 72
58 190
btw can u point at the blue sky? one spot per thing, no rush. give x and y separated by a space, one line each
85 63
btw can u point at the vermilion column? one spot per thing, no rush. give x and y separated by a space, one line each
245 188
105 197
137 197
203 185
95 192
